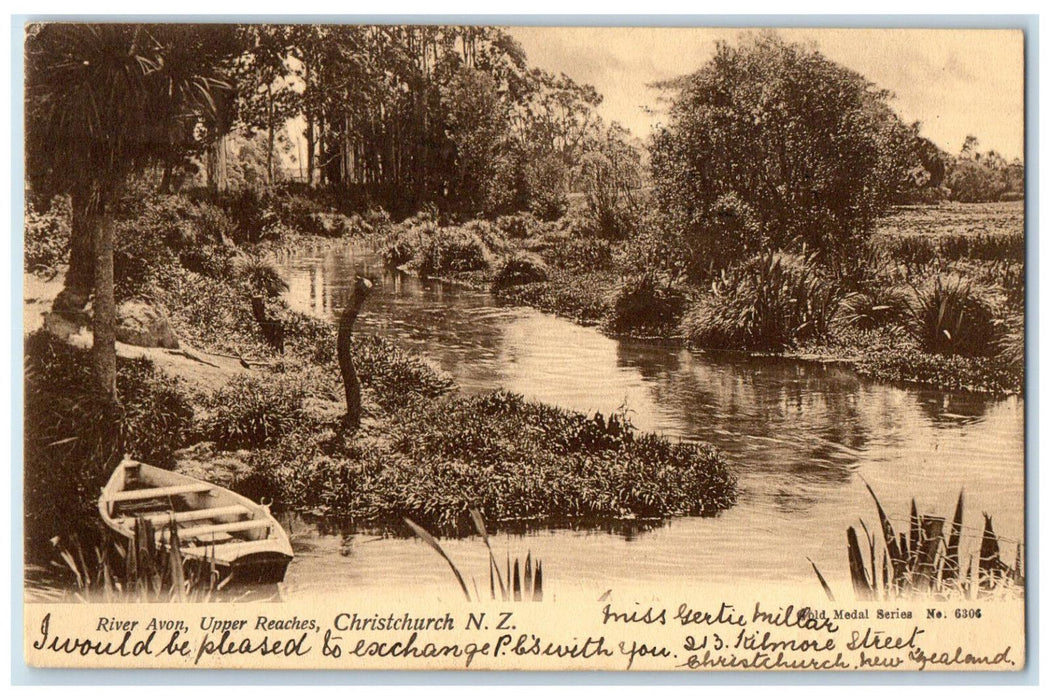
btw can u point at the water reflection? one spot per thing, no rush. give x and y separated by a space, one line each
798 435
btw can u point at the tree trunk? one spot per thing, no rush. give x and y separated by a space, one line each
166 177
351 384
104 357
310 138
269 134
217 177
80 277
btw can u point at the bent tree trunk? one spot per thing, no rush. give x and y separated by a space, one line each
103 351
351 384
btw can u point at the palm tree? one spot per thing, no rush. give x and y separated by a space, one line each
102 102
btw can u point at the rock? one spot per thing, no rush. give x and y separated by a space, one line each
140 324
66 324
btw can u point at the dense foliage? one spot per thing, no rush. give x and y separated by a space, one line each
771 144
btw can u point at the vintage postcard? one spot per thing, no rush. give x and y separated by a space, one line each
524 348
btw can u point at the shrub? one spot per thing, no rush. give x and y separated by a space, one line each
523 268
396 377
580 254
158 414
450 250
296 212
949 316
879 307
521 225
74 438
585 298
213 224
643 304
252 410
215 261
758 105
544 187
47 234
260 275
773 302
309 337
212 314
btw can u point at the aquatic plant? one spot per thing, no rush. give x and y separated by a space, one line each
773 302
647 305
522 582
951 316
878 307
903 362
925 559
134 570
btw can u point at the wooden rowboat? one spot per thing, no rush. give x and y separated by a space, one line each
213 524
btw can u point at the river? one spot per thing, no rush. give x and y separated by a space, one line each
802 438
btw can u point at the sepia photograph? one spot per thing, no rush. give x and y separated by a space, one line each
457 317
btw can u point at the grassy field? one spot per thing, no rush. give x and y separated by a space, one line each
953 219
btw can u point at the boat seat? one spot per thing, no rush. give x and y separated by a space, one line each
163 520
240 526
161 491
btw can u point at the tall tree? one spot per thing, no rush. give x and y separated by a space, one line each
102 102
808 152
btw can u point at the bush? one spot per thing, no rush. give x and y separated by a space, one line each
47 234
523 268
545 187
580 254
296 212
772 303
309 337
74 438
761 104
212 314
215 261
451 249
250 410
949 316
395 376
643 304
585 298
521 225
260 275
158 414
880 307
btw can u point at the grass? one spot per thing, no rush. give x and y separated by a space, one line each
925 560
773 302
950 316
135 570
522 582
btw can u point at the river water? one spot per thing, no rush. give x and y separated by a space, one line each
802 438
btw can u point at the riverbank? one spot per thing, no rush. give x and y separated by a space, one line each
938 307
274 430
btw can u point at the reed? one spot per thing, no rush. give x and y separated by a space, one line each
131 571
518 581
924 559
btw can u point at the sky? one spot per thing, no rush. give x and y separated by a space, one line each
955 82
